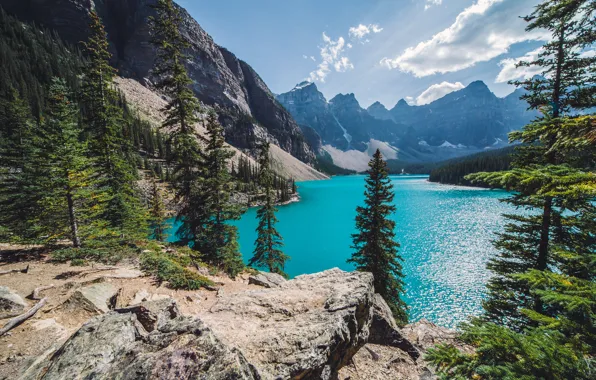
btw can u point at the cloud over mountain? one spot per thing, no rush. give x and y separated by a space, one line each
481 32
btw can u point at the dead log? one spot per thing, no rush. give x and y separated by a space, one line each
36 296
25 270
23 317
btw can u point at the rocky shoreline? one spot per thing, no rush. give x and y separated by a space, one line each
111 322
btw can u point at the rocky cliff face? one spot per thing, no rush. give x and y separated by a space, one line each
378 111
310 108
246 106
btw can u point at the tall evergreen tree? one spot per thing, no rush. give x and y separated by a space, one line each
268 253
157 213
62 158
182 113
216 239
18 172
118 206
375 245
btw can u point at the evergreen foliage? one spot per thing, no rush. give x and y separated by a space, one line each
453 172
182 109
118 209
215 237
157 213
375 245
540 312
267 252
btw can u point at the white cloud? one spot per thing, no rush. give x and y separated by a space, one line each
510 72
332 56
313 58
481 32
362 30
430 3
437 91
410 100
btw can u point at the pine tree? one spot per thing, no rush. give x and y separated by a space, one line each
61 156
375 245
268 253
157 213
18 173
215 238
183 151
182 110
118 204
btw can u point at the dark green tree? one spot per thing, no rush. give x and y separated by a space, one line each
18 173
61 157
157 213
268 253
119 210
215 237
375 245
182 109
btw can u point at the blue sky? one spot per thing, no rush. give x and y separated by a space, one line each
381 50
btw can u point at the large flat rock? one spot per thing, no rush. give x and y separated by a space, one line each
117 346
306 328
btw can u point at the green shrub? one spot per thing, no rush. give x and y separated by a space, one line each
166 267
106 252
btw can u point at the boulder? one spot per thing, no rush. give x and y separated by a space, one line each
384 330
116 345
11 304
96 298
424 335
267 280
143 295
306 328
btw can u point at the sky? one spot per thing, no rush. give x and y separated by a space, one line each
380 50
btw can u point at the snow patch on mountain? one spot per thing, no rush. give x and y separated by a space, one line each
357 160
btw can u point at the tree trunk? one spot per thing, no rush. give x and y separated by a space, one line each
74 228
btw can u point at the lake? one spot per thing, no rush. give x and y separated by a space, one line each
445 234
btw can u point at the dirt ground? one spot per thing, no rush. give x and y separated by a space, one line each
54 323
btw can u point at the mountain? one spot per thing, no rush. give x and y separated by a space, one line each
461 123
378 111
471 117
246 106
341 122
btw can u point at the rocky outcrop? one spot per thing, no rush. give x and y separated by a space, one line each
384 330
245 104
119 345
267 280
11 304
96 298
378 111
307 328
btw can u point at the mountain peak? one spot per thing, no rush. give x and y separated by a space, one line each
402 103
377 105
478 86
304 84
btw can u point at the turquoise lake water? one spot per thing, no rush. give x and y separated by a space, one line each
445 234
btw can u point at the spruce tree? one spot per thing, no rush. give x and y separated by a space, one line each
183 152
118 205
267 252
157 213
18 173
375 245
216 238
61 156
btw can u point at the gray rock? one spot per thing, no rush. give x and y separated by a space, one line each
96 298
384 331
267 280
11 304
117 346
306 328
143 295
125 273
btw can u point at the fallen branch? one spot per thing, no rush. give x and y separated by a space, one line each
374 355
36 296
23 317
96 270
26 270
